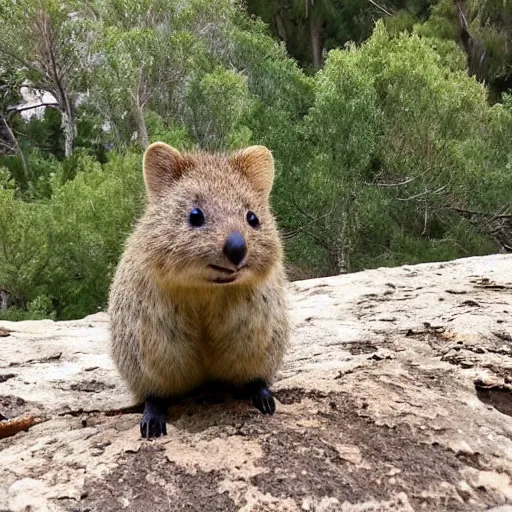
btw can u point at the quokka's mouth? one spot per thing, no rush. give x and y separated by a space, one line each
223 280
224 270
229 275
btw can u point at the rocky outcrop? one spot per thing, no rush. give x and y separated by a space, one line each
395 396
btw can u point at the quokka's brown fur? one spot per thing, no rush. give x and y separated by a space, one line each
174 326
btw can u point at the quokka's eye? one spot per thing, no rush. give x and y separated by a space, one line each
253 221
196 217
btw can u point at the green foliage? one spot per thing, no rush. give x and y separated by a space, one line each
375 154
64 249
486 26
402 21
442 22
219 103
343 127
333 23
393 142
23 245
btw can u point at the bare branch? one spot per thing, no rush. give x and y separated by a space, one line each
17 147
421 194
465 212
499 226
319 240
312 219
425 220
390 185
380 7
32 107
299 209
5 145
288 234
291 233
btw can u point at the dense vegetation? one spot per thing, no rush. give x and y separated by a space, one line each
387 149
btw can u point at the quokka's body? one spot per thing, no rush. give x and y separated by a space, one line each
199 293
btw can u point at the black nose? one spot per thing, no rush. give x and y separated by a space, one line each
235 248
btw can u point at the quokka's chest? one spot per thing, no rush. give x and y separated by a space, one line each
208 321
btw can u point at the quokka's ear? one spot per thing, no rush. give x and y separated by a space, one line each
162 165
257 163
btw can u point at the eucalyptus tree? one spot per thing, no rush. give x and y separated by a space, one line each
48 42
129 45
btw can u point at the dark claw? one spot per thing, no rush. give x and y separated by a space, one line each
152 427
264 401
153 422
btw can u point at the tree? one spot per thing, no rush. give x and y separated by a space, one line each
9 87
309 28
48 44
130 56
483 28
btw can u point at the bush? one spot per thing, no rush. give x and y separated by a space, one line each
63 250
393 142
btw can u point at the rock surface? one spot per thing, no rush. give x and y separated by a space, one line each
395 396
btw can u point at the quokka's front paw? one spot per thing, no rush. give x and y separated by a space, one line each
264 401
153 421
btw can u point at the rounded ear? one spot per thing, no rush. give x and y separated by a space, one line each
257 163
162 166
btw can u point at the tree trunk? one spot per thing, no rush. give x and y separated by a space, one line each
476 56
4 300
315 29
342 261
332 263
68 119
69 129
18 149
142 130
66 105
281 29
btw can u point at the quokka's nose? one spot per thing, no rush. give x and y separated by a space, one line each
235 247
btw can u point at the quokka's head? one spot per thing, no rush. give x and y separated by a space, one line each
208 221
